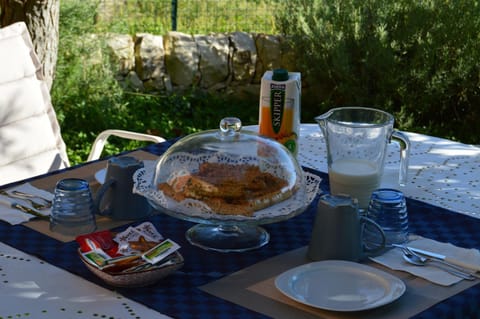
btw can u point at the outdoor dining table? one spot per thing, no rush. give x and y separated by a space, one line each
42 276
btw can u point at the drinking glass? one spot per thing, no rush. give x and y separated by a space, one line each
389 210
72 209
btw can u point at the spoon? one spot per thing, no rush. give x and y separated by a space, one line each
417 260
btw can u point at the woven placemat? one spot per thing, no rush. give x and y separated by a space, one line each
87 172
254 288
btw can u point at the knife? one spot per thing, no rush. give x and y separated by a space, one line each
24 209
444 258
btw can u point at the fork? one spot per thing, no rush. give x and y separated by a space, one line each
419 260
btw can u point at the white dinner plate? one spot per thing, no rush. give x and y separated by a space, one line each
340 286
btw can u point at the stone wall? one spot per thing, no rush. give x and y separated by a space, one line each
231 63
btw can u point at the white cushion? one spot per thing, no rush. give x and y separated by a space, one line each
30 137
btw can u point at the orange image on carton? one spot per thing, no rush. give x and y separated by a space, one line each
279 115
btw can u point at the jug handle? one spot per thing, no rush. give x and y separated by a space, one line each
404 143
99 197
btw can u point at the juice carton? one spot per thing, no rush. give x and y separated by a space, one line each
279 114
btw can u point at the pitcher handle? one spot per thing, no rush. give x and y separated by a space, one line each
97 203
379 246
404 143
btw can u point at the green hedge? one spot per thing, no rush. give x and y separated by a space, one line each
416 59
419 60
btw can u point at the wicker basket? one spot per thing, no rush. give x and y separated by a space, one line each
136 279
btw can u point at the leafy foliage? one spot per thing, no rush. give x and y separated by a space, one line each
88 99
415 59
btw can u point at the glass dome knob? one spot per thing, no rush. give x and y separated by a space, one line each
230 125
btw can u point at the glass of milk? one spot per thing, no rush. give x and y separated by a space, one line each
357 139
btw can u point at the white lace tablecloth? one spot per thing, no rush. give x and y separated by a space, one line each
441 172
31 288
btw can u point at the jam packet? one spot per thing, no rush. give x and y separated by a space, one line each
102 240
97 258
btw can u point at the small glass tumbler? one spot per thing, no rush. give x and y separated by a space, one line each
388 208
72 209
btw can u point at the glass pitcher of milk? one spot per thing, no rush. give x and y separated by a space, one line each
357 139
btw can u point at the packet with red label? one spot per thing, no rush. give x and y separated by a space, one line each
99 240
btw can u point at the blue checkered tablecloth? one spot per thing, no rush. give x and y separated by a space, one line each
179 296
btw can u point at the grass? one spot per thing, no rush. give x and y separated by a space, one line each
192 16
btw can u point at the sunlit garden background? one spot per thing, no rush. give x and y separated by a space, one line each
415 59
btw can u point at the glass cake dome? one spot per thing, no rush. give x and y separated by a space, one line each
228 171
228 181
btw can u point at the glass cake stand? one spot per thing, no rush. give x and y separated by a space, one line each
230 233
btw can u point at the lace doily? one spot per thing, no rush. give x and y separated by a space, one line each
306 189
